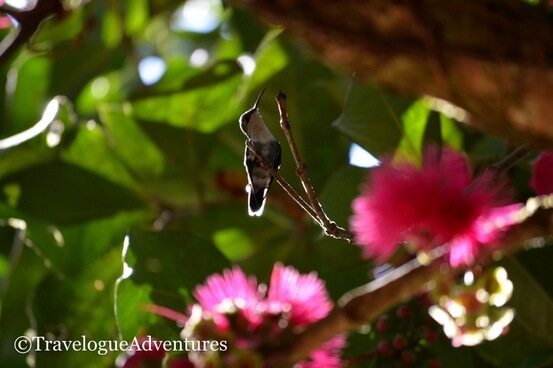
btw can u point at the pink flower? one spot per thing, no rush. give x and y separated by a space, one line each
304 295
542 177
233 288
328 356
428 206
255 315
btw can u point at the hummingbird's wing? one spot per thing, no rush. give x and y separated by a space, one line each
258 181
276 159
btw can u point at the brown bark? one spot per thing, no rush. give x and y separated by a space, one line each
493 58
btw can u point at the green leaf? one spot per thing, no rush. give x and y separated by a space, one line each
340 190
71 248
25 273
130 142
516 349
66 193
208 103
112 28
166 267
233 243
91 151
372 119
452 135
270 58
56 30
136 16
80 305
22 156
102 89
533 305
415 123
28 91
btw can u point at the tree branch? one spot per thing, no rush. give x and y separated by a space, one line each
493 58
329 227
29 21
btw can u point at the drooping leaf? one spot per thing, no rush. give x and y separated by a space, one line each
372 119
166 267
533 305
65 193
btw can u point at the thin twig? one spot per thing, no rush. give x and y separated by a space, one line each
502 166
329 226
511 159
283 183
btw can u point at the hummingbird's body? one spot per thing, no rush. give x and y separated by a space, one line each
259 179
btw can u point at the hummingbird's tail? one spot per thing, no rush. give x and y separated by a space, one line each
256 201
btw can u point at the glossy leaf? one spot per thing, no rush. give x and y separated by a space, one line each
207 103
372 119
28 91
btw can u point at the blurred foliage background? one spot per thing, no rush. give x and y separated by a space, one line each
139 165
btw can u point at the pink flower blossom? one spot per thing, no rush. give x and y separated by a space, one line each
233 288
254 314
304 295
542 176
328 356
428 206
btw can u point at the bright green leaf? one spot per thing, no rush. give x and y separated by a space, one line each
415 121
130 142
90 150
112 28
136 15
209 101
28 91
452 134
234 243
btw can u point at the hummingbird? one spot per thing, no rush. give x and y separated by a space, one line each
259 179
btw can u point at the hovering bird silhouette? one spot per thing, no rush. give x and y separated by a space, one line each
259 179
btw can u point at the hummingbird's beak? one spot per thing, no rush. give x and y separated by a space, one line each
258 98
